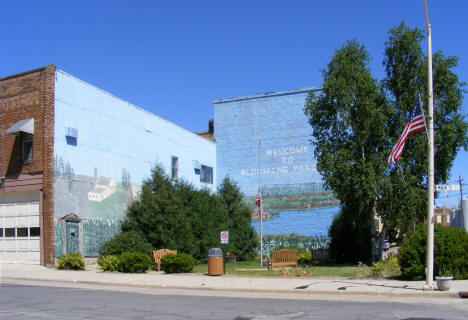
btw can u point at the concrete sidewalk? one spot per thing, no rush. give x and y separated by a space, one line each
153 279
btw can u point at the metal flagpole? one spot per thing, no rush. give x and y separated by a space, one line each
424 115
261 200
430 168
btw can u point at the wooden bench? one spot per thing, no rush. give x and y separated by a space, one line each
283 257
158 254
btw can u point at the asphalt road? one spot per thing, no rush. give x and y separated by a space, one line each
28 301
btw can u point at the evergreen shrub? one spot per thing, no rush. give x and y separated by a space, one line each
304 258
450 252
71 260
134 262
130 241
178 263
176 215
109 263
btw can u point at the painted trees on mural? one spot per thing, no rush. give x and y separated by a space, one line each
175 215
356 120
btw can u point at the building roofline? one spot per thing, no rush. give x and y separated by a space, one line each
133 105
26 72
267 94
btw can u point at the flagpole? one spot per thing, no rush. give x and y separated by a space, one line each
430 168
424 115
261 200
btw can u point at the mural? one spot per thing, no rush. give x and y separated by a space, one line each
98 205
269 135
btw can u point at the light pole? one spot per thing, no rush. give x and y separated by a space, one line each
430 167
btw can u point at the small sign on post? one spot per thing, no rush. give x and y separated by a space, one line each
224 237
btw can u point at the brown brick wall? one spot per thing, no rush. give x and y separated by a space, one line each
22 96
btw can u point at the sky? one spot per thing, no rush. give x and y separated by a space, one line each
174 58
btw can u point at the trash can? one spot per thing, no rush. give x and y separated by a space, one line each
215 262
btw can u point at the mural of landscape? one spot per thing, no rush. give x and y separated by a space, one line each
99 202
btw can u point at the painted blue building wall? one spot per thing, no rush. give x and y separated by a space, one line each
289 176
104 148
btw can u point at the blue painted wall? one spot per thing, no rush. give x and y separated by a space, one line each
105 147
289 176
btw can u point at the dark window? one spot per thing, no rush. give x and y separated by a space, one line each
72 141
1 232
22 232
27 147
175 168
10 232
34 232
71 136
206 174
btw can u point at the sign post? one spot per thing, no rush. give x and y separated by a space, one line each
224 237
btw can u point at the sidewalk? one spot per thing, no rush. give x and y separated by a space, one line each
154 279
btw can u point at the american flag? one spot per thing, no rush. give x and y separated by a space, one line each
258 202
416 124
259 198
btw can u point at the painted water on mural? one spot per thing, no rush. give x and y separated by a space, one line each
311 222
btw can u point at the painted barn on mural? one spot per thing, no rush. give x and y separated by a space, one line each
72 157
269 133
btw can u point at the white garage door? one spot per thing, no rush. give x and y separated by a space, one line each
19 228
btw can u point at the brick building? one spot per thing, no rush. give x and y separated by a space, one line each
72 157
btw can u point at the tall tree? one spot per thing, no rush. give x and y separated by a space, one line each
348 118
404 193
355 123
175 215
242 236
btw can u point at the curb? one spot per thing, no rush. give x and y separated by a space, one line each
379 294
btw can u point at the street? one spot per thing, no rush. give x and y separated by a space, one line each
31 301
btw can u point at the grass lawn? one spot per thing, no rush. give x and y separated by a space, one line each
252 268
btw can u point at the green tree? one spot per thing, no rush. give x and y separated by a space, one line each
175 215
403 195
242 237
356 122
348 118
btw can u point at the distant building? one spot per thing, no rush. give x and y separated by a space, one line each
459 216
56 133
442 216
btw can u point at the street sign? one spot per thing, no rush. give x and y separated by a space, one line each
447 187
224 237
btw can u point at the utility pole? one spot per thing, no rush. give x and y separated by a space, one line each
261 199
430 167
460 181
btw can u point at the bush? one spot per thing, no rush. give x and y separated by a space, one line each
177 263
109 263
178 216
388 264
450 252
134 262
130 241
304 258
350 237
71 260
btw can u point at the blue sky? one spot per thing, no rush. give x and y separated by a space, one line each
174 58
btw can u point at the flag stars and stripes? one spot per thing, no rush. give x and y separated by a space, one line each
415 124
